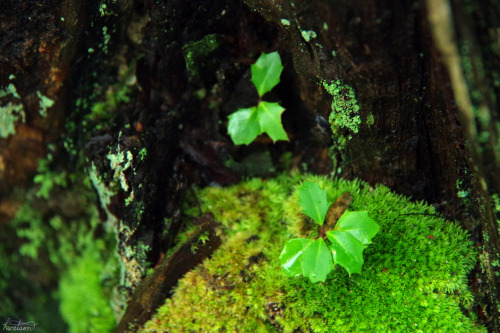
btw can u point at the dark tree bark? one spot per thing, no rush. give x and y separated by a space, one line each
425 74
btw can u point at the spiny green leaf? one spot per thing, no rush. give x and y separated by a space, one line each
317 261
347 250
266 72
358 224
313 201
269 115
243 126
246 124
290 258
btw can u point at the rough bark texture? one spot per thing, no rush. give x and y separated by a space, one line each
155 288
412 137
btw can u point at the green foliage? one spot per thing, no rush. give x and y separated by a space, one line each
347 250
347 241
313 201
246 124
358 224
316 261
266 72
410 283
294 248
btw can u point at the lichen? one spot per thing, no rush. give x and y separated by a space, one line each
45 104
11 110
132 258
415 275
120 162
308 35
285 22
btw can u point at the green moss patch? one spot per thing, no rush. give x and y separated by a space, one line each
414 277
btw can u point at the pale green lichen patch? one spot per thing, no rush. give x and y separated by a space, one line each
11 110
308 35
414 277
120 162
285 22
45 103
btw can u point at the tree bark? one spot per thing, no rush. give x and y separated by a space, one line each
425 75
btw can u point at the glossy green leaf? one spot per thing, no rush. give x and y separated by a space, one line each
347 250
266 72
244 126
313 200
269 115
291 256
317 261
358 224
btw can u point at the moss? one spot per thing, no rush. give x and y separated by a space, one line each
86 264
84 304
48 178
196 52
496 209
370 120
142 154
414 277
107 99
345 108
344 116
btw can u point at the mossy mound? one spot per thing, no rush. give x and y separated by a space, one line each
414 276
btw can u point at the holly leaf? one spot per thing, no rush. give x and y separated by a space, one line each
291 256
358 224
347 250
312 198
266 72
244 126
269 115
317 261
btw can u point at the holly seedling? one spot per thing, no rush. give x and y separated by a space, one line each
343 236
248 123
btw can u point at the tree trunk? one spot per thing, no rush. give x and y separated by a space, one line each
142 91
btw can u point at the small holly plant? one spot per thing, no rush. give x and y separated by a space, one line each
343 235
246 124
